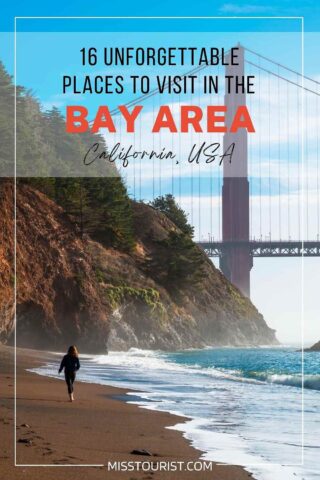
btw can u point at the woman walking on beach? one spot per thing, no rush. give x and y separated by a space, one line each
70 363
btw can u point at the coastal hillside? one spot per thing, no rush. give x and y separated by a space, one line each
93 267
159 291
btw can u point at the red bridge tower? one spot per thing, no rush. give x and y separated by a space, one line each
236 261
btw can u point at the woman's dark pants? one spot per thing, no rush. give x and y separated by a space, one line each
70 378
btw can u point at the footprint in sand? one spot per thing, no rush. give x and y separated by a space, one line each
25 441
47 453
47 450
62 461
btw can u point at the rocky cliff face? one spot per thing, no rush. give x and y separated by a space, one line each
74 290
57 294
6 261
211 313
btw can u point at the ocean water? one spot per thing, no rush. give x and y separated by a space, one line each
244 406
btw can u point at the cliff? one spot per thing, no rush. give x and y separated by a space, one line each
57 294
71 289
213 312
6 261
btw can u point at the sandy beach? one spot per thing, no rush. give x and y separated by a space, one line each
97 428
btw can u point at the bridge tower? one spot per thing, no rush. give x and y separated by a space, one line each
236 260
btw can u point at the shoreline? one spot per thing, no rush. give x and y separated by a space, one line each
100 426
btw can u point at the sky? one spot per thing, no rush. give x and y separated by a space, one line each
307 8
42 58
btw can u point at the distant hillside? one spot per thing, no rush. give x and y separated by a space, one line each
73 289
314 348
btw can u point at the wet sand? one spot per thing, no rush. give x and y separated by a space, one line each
96 429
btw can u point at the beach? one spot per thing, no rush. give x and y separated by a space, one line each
99 427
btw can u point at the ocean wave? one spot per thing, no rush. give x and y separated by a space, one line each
311 382
157 361
296 380
138 359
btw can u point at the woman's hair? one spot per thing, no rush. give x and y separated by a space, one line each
73 351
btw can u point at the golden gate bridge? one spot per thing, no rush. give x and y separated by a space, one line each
265 199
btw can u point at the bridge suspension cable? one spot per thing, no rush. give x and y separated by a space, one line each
283 78
282 66
271 153
200 68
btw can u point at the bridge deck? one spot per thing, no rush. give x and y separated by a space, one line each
264 248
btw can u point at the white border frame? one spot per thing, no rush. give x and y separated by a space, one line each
301 18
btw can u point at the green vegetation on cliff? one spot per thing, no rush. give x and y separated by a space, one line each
149 297
179 263
99 206
167 205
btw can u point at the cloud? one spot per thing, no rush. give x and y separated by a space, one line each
244 9
59 100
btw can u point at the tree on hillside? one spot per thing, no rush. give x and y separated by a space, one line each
168 205
6 121
107 214
99 207
178 264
